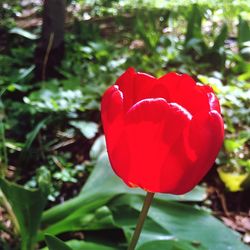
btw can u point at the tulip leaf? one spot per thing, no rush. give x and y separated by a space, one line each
98 148
171 245
79 245
55 244
102 186
126 217
198 194
27 206
183 222
105 202
80 219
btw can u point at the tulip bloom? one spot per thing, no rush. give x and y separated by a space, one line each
164 134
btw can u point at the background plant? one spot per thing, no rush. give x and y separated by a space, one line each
48 128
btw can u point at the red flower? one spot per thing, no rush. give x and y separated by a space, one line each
164 134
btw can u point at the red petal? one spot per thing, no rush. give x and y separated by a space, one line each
112 114
183 90
144 84
205 137
135 87
155 144
125 83
212 99
140 157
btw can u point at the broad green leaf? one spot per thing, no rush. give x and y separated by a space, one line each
102 186
28 206
80 245
55 244
81 219
171 245
186 222
98 148
126 218
198 194
88 129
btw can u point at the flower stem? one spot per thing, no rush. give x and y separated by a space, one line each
147 202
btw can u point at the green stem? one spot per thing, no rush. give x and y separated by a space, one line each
5 159
147 202
3 153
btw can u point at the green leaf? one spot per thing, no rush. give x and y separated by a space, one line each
233 145
28 206
24 73
23 33
93 209
184 222
98 148
88 129
198 194
125 217
44 180
55 244
102 186
171 245
80 219
220 39
243 32
194 24
30 139
194 43
80 245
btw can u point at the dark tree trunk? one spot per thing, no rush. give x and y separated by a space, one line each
50 49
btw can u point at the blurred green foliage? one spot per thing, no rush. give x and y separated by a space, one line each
48 128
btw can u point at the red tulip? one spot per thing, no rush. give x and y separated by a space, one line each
162 135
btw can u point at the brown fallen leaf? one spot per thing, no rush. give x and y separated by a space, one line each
237 222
